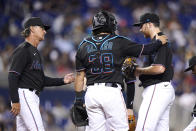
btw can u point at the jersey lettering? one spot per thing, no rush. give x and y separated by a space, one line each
36 65
107 46
90 48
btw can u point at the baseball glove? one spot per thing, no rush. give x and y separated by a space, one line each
129 67
79 115
132 123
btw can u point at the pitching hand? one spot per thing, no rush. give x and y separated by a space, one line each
69 78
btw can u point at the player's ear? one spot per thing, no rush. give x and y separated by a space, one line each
32 28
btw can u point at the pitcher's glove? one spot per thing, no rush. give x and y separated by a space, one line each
132 123
129 67
78 114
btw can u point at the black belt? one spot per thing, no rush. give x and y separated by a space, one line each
36 91
106 84
140 85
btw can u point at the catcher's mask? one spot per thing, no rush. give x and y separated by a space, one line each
104 19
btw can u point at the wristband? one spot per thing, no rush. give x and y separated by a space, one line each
79 95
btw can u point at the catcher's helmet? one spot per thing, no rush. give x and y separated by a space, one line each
104 19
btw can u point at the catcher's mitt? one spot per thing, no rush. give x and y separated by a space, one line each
79 115
129 67
132 123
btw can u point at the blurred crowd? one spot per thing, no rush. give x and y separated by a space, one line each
71 22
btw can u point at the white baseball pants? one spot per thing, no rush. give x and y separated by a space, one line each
191 126
106 108
155 107
29 118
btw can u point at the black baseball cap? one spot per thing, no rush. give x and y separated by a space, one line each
148 17
192 62
35 21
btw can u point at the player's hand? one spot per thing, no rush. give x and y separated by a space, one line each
131 119
162 38
69 78
15 109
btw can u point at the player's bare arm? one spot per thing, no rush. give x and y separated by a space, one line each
79 81
78 111
151 70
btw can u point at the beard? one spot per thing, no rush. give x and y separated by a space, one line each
146 35
41 38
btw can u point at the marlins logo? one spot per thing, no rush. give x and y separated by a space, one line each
99 19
